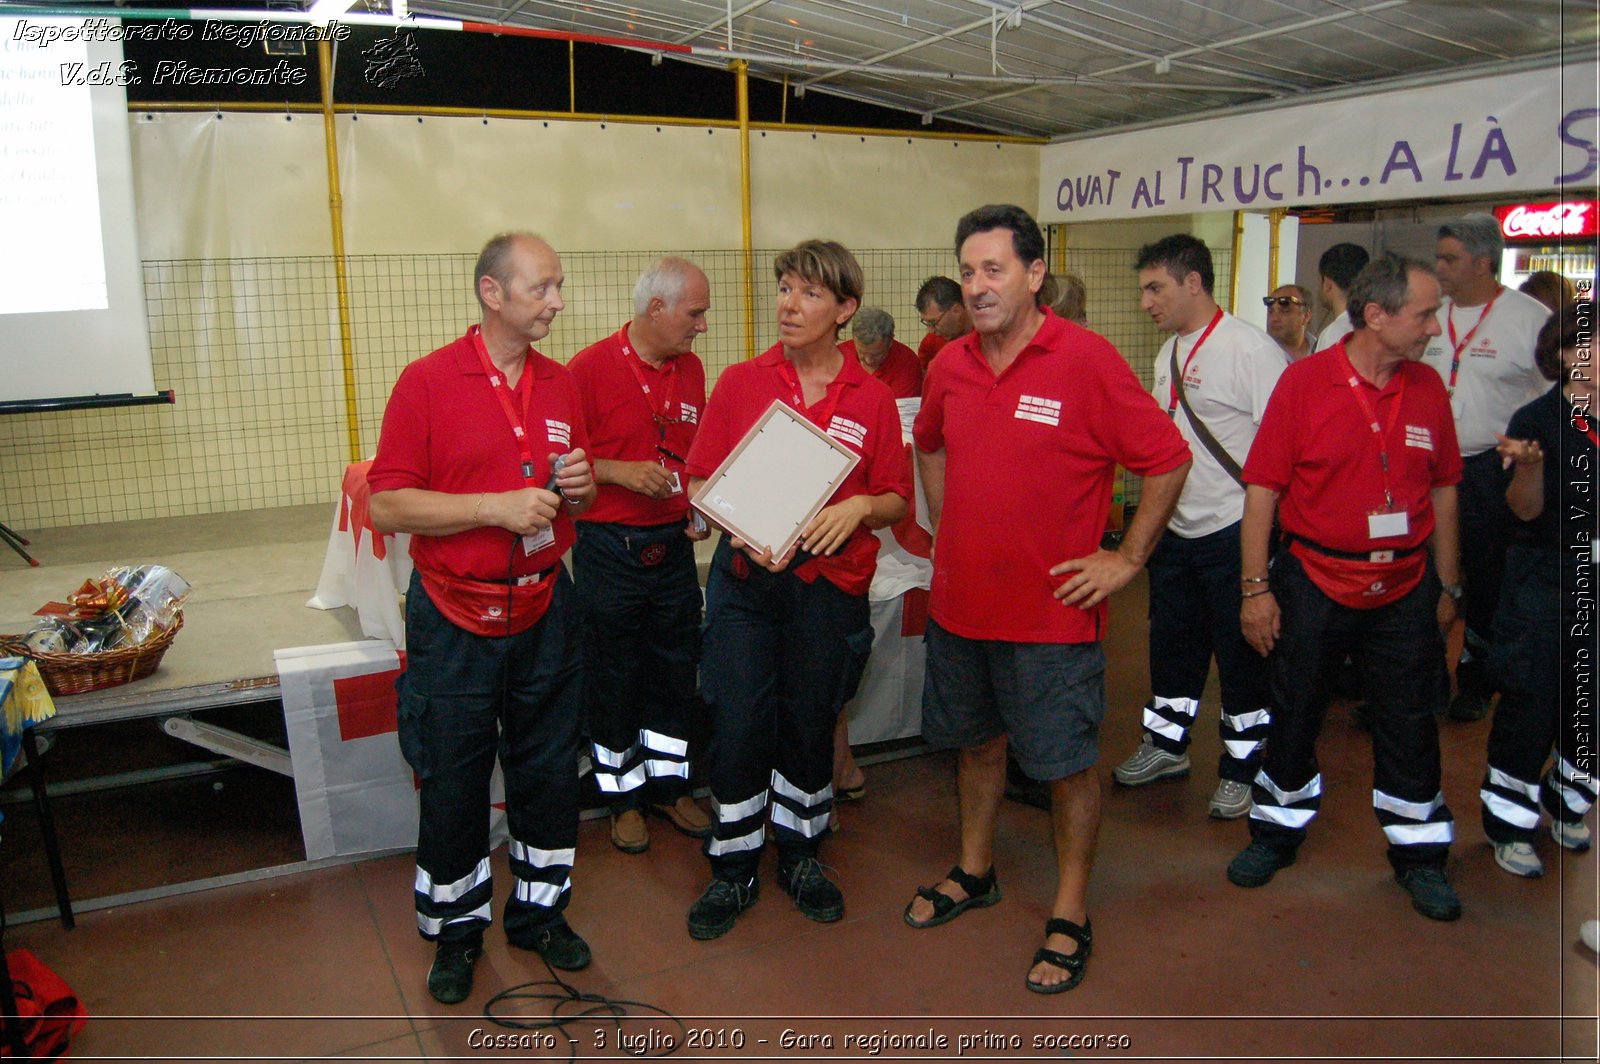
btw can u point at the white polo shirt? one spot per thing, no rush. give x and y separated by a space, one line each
1333 332
1497 373
1227 385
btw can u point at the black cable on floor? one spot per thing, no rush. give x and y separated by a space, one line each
563 996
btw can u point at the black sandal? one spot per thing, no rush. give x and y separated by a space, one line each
982 892
1073 964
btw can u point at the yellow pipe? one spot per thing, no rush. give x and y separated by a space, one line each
572 77
1059 259
352 411
741 71
1274 220
571 116
1238 249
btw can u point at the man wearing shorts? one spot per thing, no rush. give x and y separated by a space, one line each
1028 408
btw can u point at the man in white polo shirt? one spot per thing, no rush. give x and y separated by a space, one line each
1213 378
1485 354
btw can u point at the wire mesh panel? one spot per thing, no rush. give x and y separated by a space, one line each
252 348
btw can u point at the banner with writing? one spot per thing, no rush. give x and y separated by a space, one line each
1514 133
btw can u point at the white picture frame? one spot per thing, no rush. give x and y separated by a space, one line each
775 480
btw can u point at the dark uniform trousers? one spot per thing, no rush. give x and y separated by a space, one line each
1194 615
1542 704
1485 529
779 660
464 699
1388 643
641 633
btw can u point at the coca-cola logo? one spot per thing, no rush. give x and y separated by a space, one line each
1543 220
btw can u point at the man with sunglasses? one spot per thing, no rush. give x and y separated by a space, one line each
1288 314
1213 378
642 390
942 313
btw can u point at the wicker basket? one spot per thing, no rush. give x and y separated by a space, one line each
75 674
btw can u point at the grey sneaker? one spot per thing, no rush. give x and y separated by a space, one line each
1148 764
1231 800
1574 836
1519 859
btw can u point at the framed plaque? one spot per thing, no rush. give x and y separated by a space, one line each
776 480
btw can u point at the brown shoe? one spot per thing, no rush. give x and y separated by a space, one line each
629 833
685 816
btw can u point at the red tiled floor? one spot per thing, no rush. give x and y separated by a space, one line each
1328 960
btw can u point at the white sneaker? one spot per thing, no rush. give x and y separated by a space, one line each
1148 764
1519 859
1231 800
1589 934
1574 836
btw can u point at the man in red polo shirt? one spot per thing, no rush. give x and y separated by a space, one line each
939 307
482 460
874 347
1022 427
1357 454
643 389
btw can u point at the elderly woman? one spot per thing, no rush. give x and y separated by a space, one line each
1549 446
785 637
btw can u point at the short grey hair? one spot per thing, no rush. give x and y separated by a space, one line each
664 279
1480 234
495 260
872 324
1385 280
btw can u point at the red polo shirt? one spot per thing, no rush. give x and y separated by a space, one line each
865 420
623 426
444 430
900 370
1316 448
1029 459
931 345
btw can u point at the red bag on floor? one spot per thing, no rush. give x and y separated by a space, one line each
50 1012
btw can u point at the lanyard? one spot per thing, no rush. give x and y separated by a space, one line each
821 414
1372 419
1460 346
668 390
1172 405
508 405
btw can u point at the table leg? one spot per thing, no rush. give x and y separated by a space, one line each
10 1021
47 828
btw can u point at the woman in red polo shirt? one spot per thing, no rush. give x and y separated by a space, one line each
786 638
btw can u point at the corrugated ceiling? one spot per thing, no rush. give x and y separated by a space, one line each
1060 67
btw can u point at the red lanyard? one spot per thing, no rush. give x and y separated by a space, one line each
821 414
1450 323
1372 419
1585 426
503 392
668 390
1172 406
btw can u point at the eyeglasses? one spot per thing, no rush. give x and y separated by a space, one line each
929 323
1283 302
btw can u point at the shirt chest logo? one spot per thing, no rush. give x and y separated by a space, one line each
1419 436
847 431
558 432
1034 408
688 413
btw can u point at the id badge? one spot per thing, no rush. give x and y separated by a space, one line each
677 483
1387 526
537 542
1455 407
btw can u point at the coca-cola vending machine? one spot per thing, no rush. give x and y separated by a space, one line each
1550 236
